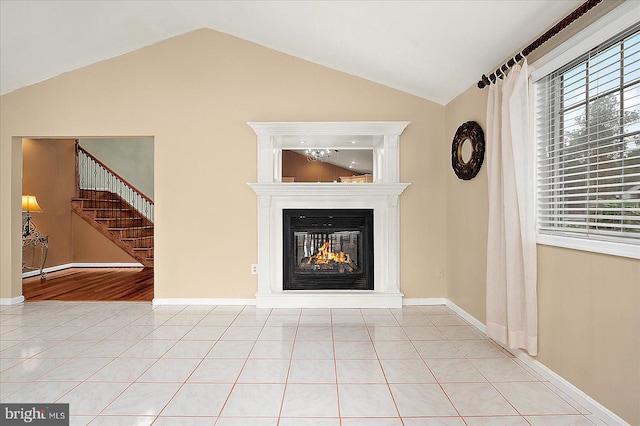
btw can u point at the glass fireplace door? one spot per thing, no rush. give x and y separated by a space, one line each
328 249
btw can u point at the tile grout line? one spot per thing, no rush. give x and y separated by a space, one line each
393 398
239 372
286 379
335 366
431 371
131 383
466 358
157 416
140 375
92 374
224 404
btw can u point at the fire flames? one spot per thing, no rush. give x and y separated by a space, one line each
324 256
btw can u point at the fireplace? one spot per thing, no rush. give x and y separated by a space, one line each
328 249
311 280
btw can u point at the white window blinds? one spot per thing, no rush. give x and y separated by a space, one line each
588 127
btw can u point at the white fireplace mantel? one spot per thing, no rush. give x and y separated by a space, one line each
382 196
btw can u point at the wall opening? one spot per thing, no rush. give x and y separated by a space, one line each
49 171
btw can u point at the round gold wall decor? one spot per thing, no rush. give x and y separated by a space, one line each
467 150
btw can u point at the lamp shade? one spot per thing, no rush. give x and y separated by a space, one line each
30 204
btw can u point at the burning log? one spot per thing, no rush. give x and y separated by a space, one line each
326 260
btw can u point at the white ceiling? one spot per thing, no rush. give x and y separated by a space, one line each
431 49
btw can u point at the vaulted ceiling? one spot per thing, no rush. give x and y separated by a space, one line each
431 49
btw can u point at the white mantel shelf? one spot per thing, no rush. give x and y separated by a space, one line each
382 196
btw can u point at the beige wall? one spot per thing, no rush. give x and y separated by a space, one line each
194 95
467 212
589 324
589 304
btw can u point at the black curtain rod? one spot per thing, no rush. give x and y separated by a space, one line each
566 21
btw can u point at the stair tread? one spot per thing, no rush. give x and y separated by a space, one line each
111 200
105 219
107 209
119 218
117 226
134 227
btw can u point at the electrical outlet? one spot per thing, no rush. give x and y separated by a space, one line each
254 268
439 272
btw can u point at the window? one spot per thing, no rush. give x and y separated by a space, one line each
588 127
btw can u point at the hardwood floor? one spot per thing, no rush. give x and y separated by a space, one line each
92 284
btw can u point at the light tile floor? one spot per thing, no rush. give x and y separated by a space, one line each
136 364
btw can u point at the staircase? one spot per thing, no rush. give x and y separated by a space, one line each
114 207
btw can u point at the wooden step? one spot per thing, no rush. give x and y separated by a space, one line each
98 204
108 213
93 194
103 213
145 252
120 222
139 241
140 231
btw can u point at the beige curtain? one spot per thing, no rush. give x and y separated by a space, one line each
512 311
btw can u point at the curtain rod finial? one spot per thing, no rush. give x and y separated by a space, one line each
484 82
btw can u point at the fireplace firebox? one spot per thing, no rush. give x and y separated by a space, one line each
328 249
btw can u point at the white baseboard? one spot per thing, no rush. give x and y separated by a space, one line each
606 415
47 270
82 265
467 317
424 301
12 301
202 301
108 265
223 301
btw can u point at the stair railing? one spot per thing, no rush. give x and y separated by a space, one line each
100 182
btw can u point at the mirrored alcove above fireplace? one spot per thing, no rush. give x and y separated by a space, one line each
324 247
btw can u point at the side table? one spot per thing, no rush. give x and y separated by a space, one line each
34 253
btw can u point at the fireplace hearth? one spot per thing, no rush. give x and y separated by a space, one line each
328 249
